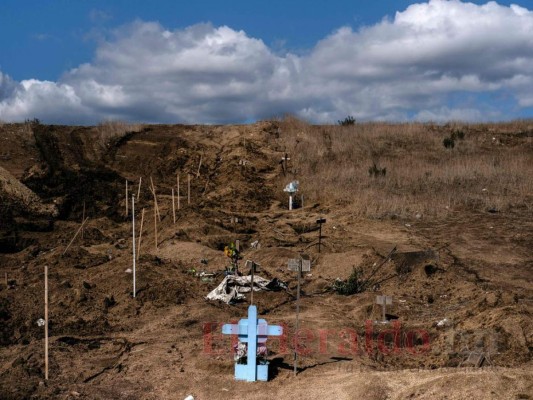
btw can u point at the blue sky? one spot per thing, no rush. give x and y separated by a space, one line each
69 52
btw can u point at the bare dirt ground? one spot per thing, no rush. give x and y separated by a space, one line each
468 265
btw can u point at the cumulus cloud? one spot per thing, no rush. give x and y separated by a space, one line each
426 63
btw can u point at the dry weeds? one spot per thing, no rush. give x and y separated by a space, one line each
422 177
110 131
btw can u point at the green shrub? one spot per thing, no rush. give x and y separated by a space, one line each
356 283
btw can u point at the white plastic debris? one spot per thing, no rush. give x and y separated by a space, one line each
189 397
444 323
41 322
484 189
233 287
128 271
408 225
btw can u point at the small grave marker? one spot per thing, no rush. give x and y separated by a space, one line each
384 301
253 269
298 265
283 163
252 331
291 188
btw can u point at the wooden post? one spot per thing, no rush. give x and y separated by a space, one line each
155 227
188 189
173 206
127 197
178 178
252 285
75 235
133 239
319 236
139 189
140 235
156 206
83 219
297 319
199 166
46 322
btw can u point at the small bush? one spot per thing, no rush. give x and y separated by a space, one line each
32 122
356 283
376 172
348 121
457 134
449 143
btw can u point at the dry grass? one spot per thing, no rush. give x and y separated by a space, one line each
110 131
489 170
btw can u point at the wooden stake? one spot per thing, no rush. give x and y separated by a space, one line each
319 236
178 178
155 228
75 235
155 199
83 219
173 206
252 285
189 189
199 166
127 197
133 239
46 322
297 319
140 235
139 189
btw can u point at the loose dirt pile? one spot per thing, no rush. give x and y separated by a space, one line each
460 324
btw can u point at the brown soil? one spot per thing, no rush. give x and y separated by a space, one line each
471 267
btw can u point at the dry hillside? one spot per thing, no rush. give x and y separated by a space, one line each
460 220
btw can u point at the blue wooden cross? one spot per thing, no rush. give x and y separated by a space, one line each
252 331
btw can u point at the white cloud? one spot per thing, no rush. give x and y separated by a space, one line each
429 62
